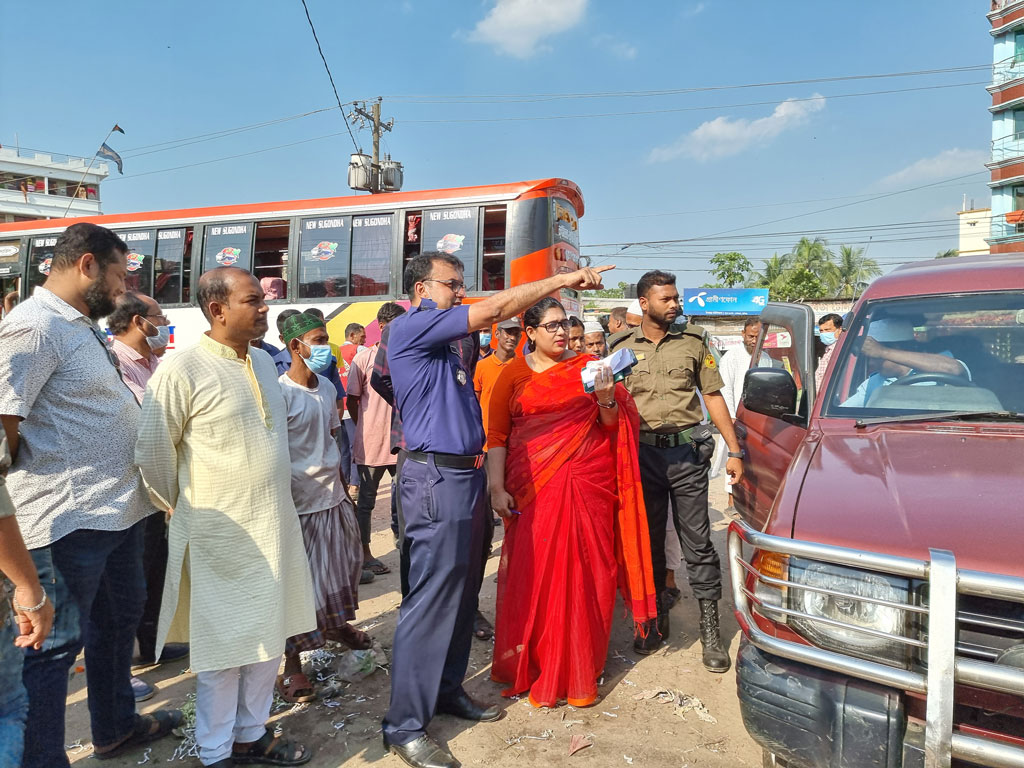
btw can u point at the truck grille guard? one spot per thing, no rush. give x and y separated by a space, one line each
943 667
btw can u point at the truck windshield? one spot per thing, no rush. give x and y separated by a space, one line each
943 354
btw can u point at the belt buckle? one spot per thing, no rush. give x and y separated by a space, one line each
664 441
478 463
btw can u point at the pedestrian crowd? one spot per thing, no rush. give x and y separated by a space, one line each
217 504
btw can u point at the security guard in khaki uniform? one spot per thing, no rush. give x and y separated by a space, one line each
673 362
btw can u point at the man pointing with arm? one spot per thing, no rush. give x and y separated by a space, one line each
442 491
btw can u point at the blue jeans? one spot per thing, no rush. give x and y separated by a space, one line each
96 583
13 701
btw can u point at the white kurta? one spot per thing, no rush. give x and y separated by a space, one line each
213 446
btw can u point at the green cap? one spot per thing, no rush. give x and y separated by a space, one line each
299 325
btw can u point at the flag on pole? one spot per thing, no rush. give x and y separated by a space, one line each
117 128
110 154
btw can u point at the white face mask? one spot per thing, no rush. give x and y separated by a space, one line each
162 337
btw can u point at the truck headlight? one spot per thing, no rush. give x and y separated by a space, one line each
835 597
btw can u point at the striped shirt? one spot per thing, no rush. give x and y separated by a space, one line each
136 370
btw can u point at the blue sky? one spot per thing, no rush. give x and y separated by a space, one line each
692 165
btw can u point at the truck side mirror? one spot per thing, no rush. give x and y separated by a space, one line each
771 392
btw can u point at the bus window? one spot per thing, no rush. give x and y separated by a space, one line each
454 231
413 239
270 257
10 270
228 245
371 255
141 252
493 276
170 266
323 257
40 255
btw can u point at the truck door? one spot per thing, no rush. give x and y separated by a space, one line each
769 442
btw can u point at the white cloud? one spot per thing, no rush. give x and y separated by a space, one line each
517 27
695 9
617 48
724 136
946 164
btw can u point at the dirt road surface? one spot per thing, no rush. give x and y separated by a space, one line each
623 727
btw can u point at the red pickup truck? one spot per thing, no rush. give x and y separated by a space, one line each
878 565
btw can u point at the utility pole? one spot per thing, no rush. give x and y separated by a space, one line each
377 128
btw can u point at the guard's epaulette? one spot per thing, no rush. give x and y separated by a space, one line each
617 338
697 330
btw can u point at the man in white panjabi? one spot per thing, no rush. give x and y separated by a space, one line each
733 368
213 447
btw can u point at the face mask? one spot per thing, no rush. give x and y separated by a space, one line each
485 339
162 338
319 359
828 338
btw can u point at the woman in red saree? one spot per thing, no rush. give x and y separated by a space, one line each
563 472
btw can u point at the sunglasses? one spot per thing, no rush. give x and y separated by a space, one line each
554 325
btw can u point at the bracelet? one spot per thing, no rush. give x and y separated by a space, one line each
735 454
25 609
612 404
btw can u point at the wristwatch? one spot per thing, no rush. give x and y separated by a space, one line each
735 454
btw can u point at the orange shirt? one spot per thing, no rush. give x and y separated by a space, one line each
487 372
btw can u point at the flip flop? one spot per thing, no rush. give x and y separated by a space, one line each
375 565
166 721
289 686
354 638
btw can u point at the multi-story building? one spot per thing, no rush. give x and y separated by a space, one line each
40 186
1007 161
974 230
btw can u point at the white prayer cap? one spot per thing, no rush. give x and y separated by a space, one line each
592 327
634 308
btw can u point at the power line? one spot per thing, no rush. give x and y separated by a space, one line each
673 110
330 76
540 97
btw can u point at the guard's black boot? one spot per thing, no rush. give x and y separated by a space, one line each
715 658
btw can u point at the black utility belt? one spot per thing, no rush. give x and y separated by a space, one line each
453 460
671 439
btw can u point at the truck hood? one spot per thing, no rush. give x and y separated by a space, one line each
903 489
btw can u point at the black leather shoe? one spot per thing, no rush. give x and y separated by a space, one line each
657 632
423 752
463 706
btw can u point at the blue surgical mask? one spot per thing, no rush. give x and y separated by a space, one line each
828 338
485 338
319 359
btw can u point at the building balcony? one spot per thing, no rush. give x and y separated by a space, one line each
38 205
1008 147
1008 69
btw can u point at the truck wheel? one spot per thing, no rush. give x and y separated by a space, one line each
769 760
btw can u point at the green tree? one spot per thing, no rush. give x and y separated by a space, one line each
947 254
854 271
731 269
815 256
800 284
608 293
771 277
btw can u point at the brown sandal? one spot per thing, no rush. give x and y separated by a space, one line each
289 687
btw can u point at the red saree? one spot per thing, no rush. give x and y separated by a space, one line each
581 531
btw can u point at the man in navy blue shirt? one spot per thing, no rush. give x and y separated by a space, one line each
441 488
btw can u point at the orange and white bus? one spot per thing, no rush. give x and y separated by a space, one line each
344 255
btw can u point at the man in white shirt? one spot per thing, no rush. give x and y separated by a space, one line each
733 367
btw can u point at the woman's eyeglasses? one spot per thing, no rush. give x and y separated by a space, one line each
554 325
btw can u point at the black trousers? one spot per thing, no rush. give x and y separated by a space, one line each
369 482
675 471
154 566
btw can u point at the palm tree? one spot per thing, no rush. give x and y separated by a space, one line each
853 271
772 276
947 254
815 256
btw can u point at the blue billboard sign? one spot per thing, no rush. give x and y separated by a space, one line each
724 301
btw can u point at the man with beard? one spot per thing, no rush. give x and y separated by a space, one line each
71 423
674 364
213 446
